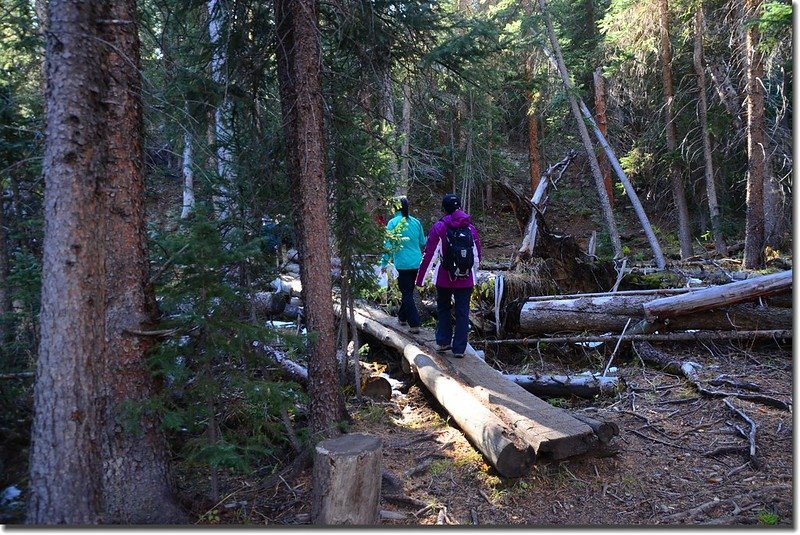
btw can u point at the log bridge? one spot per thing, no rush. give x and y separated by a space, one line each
509 425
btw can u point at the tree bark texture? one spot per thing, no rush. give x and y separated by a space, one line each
222 112
600 113
188 174
602 314
299 70
137 475
84 467
347 481
65 462
756 143
605 205
702 109
678 192
724 295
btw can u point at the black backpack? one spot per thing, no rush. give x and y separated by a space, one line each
458 256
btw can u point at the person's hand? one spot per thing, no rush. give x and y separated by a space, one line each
383 269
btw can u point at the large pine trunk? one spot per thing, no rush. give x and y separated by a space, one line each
84 467
65 466
137 476
301 101
756 140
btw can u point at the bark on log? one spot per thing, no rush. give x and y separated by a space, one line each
584 386
610 313
725 295
347 481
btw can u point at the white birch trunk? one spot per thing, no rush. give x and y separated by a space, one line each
222 115
188 175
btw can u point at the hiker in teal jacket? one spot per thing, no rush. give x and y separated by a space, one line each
404 249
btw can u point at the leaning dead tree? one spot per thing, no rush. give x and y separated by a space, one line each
605 205
539 203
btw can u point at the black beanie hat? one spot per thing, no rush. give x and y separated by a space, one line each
450 202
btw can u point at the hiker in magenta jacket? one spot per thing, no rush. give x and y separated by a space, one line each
447 288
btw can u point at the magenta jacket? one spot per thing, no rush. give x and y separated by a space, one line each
434 251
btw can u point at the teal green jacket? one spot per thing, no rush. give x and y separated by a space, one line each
405 250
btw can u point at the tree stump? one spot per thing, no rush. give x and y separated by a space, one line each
347 481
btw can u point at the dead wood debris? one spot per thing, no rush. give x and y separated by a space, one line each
651 355
708 506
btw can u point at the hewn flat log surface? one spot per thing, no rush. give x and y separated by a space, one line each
509 425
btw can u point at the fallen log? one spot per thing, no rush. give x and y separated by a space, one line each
584 386
719 296
611 313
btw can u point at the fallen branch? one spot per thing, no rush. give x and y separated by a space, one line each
20 375
670 337
751 436
713 504
688 370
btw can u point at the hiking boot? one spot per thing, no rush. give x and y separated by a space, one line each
458 355
402 323
445 347
413 330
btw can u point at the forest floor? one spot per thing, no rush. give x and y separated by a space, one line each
661 473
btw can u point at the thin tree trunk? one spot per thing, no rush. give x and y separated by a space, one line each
534 158
299 72
406 136
222 113
600 113
725 90
711 189
756 144
678 193
605 205
387 110
188 174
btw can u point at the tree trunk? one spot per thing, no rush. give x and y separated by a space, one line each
405 153
137 487
715 297
678 193
84 468
585 386
711 189
222 112
188 174
725 90
600 113
66 430
605 205
387 111
299 71
756 143
611 312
